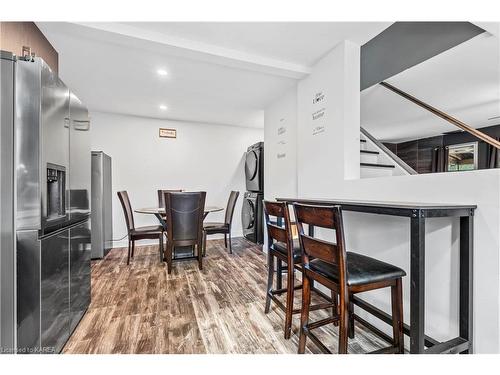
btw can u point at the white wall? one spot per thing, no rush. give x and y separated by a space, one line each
280 158
325 169
328 120
280 151
203 157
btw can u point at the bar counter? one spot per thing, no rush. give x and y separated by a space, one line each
418 213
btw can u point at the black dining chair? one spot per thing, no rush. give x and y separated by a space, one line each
222 228
141 233
161 197
184 218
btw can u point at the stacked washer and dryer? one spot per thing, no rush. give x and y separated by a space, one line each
252 215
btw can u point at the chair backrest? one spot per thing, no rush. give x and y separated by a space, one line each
278 225
233 197
184 217
161 197
329 217
127 209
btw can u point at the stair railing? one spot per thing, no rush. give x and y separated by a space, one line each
452 120
388 152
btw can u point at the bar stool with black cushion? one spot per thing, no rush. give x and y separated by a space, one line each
184 219
344 272
222 228
285 249
141 233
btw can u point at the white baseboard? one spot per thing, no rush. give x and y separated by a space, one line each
124 242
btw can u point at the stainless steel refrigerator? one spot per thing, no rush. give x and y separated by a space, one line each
102 211
7 254
50 168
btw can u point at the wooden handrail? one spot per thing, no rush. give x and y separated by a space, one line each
476 133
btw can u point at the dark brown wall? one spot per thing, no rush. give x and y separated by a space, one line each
408 151
15 35
425 151
418 153
393 147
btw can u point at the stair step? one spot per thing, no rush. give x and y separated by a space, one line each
377 165
369 152
363 140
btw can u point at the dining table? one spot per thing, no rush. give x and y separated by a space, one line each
183 252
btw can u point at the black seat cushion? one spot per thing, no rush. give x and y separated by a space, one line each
360 270
281 247
151 229
215 227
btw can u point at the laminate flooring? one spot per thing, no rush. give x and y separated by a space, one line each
141 309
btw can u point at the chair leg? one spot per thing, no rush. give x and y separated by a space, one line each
279 274
169 258
230 245
204 243
344 325
397 316
304 316
270 272
351 318
225 240
128 256
133 248
200 254
161 247
289 301
335 307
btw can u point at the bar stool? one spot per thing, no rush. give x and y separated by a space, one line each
282 247
346 273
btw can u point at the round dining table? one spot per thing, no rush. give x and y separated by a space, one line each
159 212
184 252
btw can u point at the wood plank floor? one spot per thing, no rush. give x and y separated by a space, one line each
141 309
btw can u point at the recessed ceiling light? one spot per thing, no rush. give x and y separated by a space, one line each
163 107
162 72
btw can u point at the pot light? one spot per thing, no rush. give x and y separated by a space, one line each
163 107
162 72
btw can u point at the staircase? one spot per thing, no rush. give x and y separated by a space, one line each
378 161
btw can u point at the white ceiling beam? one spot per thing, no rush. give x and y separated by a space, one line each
121 33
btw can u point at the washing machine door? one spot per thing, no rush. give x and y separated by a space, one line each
248 215
251 165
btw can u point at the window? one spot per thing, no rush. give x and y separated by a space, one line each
462 157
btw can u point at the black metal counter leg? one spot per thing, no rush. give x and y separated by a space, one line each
417 282
466 277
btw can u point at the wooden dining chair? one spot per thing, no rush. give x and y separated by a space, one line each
222 228
161 197
282 247
347 273
184 219
141 233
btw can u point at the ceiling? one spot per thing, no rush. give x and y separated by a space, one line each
301 43
224 73
463 82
